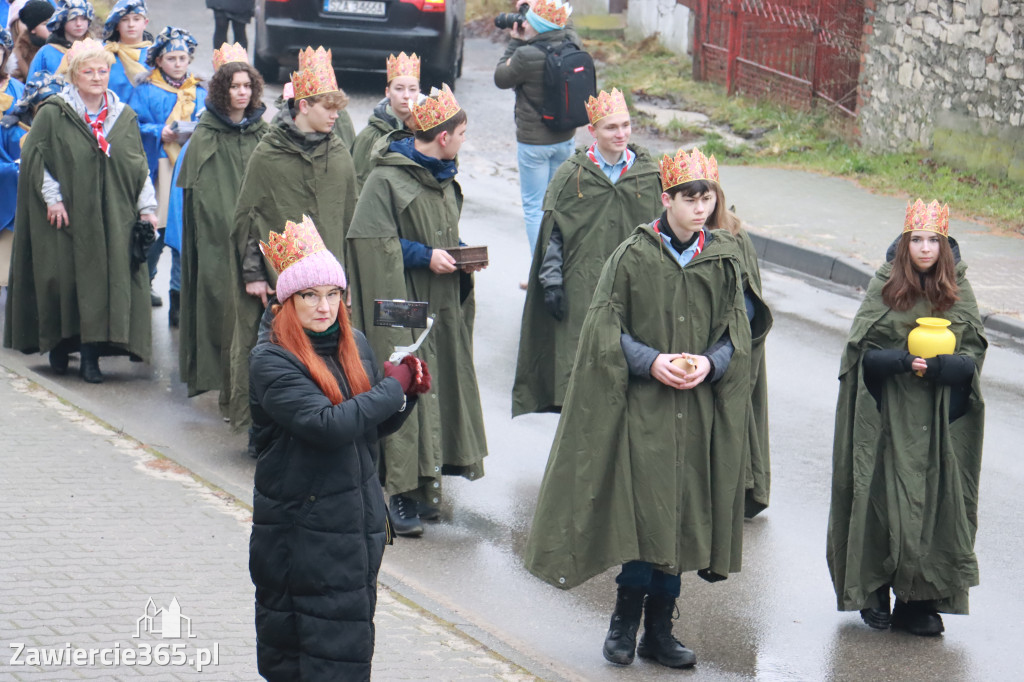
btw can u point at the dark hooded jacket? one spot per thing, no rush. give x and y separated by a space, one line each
319 526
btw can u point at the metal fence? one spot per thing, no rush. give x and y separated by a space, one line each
790 51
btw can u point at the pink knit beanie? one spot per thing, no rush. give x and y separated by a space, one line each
301 259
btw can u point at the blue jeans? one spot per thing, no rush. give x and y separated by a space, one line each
153 257
537 165
643 574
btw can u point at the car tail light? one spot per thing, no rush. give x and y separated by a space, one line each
422 5
278 0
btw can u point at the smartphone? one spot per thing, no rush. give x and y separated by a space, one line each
399 313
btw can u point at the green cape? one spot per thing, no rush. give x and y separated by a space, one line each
363 146
757 470
904 506
283 181
594 217
445 434
640 471
211 174
78 281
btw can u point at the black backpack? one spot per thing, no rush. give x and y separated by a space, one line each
569 80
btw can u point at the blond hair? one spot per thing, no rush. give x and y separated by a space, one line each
76 59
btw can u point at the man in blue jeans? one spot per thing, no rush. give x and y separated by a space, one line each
540 150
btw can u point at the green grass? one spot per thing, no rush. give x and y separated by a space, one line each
820 141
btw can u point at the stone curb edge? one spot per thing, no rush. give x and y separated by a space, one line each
851 273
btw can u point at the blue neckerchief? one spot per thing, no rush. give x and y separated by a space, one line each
439 168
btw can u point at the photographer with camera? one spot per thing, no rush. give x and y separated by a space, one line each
536 29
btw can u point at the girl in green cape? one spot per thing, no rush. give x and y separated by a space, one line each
907 451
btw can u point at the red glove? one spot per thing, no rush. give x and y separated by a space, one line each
421 375
402 373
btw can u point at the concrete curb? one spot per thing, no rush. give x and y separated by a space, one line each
852 273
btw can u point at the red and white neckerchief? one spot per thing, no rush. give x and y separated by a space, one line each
628 158
97 126
700 238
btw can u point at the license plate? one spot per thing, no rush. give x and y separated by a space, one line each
365 7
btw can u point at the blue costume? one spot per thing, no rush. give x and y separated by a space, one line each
49 57
154 106
121 82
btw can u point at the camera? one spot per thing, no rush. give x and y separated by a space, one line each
510 19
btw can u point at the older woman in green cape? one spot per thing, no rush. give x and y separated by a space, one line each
85 183
907 451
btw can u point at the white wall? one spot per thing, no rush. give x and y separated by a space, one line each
670 20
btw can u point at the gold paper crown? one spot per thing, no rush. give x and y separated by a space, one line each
229 53
933 217
403 65
606 104
437 108
685 168
296 242
555 11
315 75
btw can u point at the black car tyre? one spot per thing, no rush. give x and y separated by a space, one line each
447 73
270 70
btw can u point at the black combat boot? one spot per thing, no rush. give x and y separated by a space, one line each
174 312
59 357
878 617
405 518
657 641
917 618
620 642
89 368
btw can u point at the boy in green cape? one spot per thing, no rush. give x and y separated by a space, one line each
392 117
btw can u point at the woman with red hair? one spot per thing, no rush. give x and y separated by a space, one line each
319 405
907 451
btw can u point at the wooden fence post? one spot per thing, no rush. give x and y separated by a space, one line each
734 47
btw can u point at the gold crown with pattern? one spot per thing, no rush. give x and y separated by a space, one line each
435 109
606 104
315 75
683 168
296 242
229 53
932 217
403 65
555 11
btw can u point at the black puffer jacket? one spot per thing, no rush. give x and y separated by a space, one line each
318 514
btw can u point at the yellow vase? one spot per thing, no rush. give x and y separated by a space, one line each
931 337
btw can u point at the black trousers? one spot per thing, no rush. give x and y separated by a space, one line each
220 30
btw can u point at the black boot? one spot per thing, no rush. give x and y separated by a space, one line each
59 357
405 518
174 312
657 641
879 617
89 368
917 618
154 300
620 642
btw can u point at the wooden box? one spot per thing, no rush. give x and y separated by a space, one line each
469 255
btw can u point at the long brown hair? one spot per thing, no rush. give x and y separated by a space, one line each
906 285
288 333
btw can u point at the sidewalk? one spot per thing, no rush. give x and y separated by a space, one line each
107 548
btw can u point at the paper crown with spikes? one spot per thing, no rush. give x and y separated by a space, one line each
301 259
315 75
555 11
606 104
683 168
932 217
229 53
403 65
435 109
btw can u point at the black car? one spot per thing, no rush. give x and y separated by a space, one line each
361 34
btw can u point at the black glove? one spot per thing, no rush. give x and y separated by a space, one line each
142 238
950 370
554 301
882 364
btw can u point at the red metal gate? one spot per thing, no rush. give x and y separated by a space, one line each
791 51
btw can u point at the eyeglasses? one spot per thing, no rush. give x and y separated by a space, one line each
312 299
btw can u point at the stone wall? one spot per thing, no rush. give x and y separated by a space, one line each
946 75
666 18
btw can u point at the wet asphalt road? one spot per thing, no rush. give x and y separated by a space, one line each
774 621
